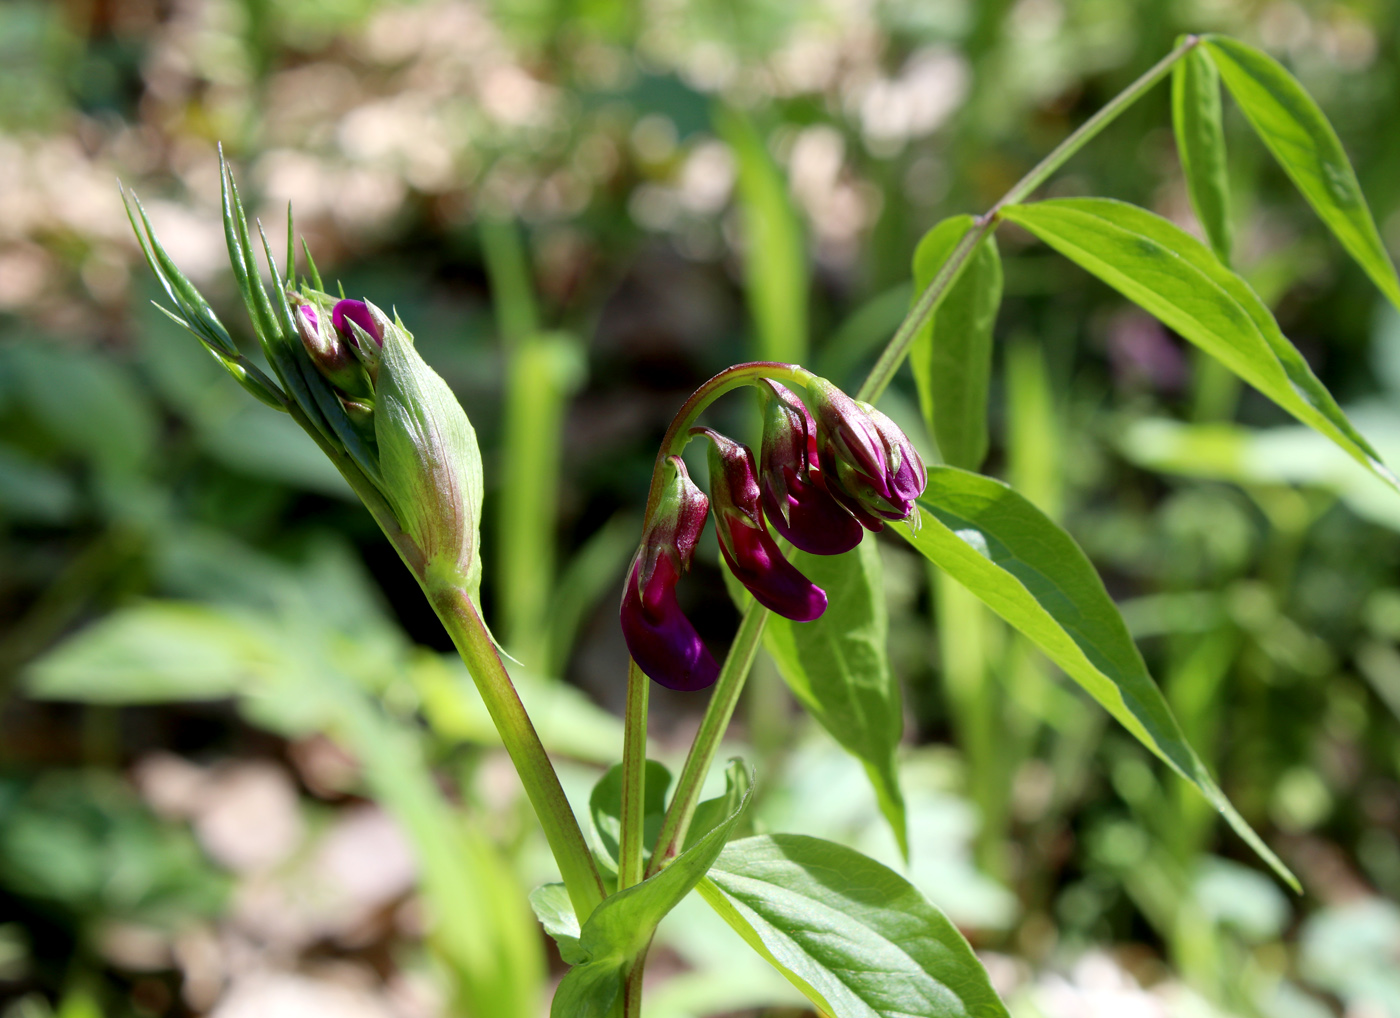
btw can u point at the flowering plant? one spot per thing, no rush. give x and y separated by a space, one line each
852 935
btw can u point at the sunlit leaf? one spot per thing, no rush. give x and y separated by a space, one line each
1174 276
854 936
623 924
838 666
952 354
1031 573
1200 143
1295 131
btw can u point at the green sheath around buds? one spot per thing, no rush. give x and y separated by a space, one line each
429 461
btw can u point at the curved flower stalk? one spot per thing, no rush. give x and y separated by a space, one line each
352 378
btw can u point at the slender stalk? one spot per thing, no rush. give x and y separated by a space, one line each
678 434
634 789
522 742
898 347
712 727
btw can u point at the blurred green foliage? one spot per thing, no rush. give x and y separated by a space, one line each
582 211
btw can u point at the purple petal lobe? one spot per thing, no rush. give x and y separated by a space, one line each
808 517
659 637
355 311
757 562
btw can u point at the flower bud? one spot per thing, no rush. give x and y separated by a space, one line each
659 637
750 551
868 463
328 350
362 326
794 498
428 458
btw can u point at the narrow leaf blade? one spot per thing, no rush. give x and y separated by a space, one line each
1294 129
839 668
853 936
1174 276
1031 573
623 924
952 354
1200 143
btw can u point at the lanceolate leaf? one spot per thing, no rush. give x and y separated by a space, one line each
1295 131
838 667
623 924
854 936
1200 142
952 354
605 805
1172 275
1031 573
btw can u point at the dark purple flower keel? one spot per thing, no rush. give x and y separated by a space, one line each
795 500
750 551
659 637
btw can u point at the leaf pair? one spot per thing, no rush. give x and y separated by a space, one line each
1294 130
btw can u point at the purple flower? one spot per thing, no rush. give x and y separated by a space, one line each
750 551
333 357
659 637
868 464
790 481
358 312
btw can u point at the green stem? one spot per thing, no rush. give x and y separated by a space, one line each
634 789
712 727
898 347
454 607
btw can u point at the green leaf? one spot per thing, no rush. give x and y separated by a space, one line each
429 460
556 914
854 936
605 805
1295 131
155 653
952 354
623 924
713 812
1200 143
1169 273
838 667
1031 573
775 254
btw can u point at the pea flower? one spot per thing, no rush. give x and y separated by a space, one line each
750 551
868 463
659 637
794 496
334 357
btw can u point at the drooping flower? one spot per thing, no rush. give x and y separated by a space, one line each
868 463
796 502
750 551
659 636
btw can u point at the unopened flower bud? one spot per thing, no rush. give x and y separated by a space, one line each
428 458
659 637
328 350
749 550
794 498
868 463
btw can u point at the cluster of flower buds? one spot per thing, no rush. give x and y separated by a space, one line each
818 483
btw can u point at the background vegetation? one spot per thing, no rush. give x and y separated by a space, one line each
241 772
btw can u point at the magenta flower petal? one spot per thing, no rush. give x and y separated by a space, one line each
874 486
753 556
757 562
356 311
659 637
794 499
